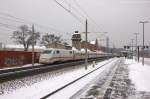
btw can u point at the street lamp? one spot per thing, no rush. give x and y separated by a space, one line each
132 40
143 22
136 43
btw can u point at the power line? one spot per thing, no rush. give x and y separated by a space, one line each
21 20
11 16
5 27
8 25
81 14
4 18
88 17
74 15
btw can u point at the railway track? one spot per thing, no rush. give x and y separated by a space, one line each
72 82
10 74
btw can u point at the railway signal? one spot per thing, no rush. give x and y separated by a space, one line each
126 47
137 47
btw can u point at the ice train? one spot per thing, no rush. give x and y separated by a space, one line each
52 55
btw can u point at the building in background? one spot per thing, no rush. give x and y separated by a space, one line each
76 40
79 44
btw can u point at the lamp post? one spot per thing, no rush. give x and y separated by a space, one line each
143 23
132 47
136 43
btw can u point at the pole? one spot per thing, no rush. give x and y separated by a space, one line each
107 44
132 47
143 46
86 55
136 44
138 53
143 22
32 45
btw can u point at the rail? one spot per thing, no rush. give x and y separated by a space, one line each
68 84
10 74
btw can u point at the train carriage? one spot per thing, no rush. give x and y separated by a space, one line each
52 55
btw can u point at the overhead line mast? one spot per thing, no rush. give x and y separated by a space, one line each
86 40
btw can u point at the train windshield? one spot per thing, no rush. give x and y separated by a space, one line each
47 52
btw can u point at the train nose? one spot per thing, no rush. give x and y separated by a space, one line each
45 59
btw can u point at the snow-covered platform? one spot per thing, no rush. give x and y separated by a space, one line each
131 80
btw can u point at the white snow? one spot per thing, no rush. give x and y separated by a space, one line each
27 65
40 89
21 46
147 59
92 42
71 90
74 49
83 50
139 75
99 51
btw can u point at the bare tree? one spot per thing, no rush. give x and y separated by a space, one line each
50 38
24 36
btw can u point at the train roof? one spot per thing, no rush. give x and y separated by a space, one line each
56 49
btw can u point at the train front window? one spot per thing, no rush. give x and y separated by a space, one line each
57 52
47 52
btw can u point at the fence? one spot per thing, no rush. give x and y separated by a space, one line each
16 58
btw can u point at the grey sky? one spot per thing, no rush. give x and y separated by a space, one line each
120 18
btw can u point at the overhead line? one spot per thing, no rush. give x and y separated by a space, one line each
27 22
69 11
81 14
8 25
86 14
4 18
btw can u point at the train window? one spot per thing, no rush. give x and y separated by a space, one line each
57 52
46 52
70 52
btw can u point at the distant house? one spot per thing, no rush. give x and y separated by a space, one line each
79 44
90 46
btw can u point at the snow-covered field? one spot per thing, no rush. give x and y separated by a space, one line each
139 75
39 89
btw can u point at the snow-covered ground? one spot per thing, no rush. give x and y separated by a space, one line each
15 67
44 87
146 61
139 75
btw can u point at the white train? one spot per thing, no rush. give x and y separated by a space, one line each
52 55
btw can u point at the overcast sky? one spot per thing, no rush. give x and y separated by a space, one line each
120 18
